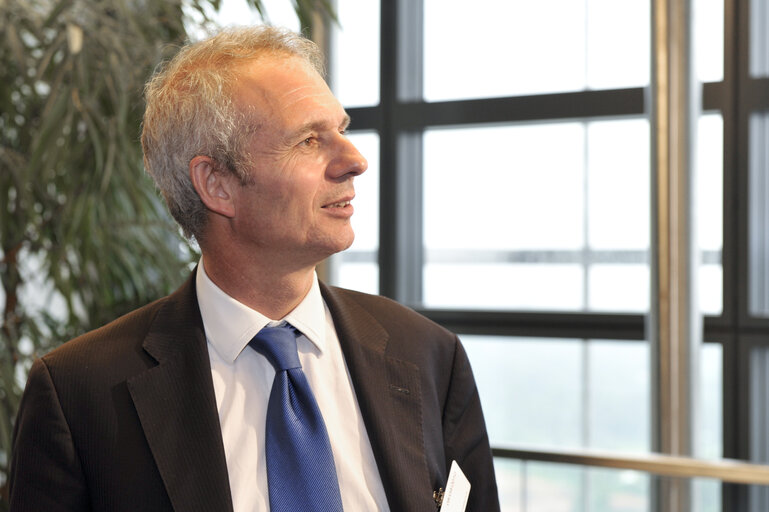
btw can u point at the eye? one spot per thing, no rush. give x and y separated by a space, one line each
309 141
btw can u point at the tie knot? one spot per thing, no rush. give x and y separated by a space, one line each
278 345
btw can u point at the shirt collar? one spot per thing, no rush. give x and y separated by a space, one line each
230 325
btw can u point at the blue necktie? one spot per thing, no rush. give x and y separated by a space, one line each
300 466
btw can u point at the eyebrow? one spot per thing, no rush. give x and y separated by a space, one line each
317 126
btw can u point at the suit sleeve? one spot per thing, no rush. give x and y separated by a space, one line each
465 436
45 471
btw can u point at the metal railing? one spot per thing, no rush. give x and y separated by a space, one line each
726 470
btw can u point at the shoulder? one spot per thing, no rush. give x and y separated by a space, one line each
405 335
105 350
119 344
389 313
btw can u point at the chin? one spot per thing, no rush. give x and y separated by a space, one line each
347 244
341 242
337 249
332 243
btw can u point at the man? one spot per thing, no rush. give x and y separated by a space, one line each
169 408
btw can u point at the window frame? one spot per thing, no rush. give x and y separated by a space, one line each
402 115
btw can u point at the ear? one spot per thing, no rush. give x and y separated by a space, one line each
212 185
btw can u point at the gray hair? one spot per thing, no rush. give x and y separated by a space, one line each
190 112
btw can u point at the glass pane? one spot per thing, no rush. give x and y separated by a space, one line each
569 210
548 46
708 438
355 53
511 174
540 486
708 27
531 389
759 398
710 286
563 393
553 487
531 486
238 12
488 234
759 38
595 394
758 209
618 215
363 277
503 286
617 490
509 484
708 434
710 212
706 495
758 394
618 184
618 42
618 389
617 288
357 267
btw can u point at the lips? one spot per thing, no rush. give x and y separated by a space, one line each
340 208
341 204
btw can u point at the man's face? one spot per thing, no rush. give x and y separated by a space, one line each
302 165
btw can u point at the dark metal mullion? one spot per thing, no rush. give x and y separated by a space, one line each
755 92
409 200
416 114
585 260
541 324
366 118
740 161
400 211
734 234
715 95
733 497
740 71
409 214
388 147
735 247
540 107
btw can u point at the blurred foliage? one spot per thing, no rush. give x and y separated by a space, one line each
84 237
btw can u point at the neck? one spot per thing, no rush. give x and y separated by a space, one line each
269 289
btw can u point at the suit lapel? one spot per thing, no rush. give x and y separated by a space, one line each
177 408
390 400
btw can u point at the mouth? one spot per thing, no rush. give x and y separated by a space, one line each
340 204
341 208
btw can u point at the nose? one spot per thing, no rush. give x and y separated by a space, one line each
348 161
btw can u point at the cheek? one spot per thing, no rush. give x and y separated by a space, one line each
303 195
290 206
292 189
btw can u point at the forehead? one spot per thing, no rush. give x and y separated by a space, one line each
276 84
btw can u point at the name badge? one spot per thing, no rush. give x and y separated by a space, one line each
457 490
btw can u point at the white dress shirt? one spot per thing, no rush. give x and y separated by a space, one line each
242 383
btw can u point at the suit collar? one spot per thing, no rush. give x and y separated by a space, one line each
176 404
390 399
177 408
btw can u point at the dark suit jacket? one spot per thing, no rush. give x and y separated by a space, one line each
124 418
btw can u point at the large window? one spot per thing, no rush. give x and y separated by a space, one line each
511 151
